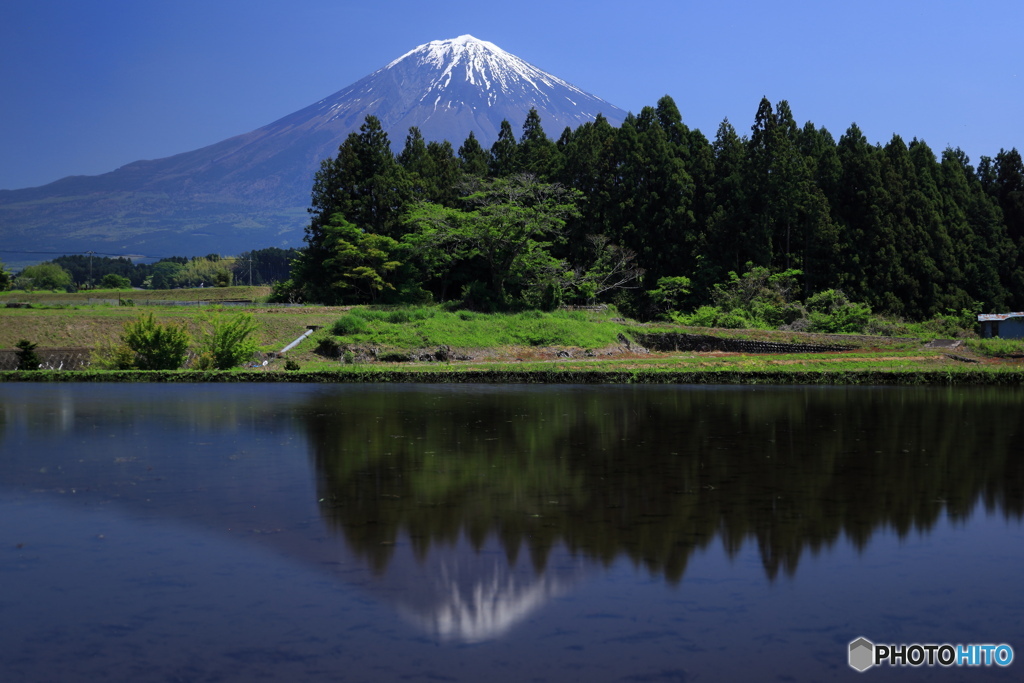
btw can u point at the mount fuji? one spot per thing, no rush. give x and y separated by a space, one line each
251 191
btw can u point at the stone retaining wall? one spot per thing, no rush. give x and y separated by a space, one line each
50 359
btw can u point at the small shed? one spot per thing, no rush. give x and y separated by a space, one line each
1002 325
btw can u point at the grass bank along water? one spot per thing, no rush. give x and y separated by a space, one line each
513 375
431 344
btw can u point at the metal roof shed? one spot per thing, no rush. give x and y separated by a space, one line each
1002 325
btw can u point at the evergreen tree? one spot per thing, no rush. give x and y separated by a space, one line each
418 166
589 165
1009 190
537 154
473 157
988 252
654 199
723 235
505 153
857 209
364 183
780 190
447 172
903 270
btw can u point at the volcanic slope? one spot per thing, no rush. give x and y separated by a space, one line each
252 190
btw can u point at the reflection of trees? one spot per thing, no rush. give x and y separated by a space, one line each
657 472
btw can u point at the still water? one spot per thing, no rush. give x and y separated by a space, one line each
504 533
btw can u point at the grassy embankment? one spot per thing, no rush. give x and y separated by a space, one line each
566 346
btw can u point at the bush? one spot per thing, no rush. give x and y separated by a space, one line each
350 324
952 324
713 316
230 342
328 347
44 276
27 358
831 312
155 347
670 293
115 281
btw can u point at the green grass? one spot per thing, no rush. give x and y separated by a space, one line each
94 326
193 294
532 346
421 327
996 348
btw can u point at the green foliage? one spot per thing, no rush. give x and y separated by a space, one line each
153 346
831 312
90 268
996 347
27 357
354 267
5 278
670 293
893 227
264 266
230 341
164 275
952 324
44 276
758 298
115 281
509 225
713 316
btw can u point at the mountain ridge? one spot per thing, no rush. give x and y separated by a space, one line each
251 190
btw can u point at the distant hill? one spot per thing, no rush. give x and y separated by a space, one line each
252 190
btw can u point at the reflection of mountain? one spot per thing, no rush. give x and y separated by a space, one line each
468 507
657 472
463 592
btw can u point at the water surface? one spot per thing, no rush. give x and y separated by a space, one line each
505 533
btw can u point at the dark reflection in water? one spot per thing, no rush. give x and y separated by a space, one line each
568 533
656 474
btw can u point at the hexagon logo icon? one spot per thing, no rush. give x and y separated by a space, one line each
862 654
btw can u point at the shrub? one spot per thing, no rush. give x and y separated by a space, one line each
155 346
350 324
230 341
328 347
44 276
27 358
831 312
115 281
670 293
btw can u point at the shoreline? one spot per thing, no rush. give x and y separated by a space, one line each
945 377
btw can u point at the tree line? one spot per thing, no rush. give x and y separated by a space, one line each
654 211
84 271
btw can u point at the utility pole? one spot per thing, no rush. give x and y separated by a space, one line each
90 269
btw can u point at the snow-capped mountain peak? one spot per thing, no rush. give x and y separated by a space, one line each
447 88
478 63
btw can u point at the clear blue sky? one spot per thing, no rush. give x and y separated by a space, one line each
87 86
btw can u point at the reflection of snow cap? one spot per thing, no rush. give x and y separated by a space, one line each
458 593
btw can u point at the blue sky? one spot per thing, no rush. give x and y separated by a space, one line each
87 86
